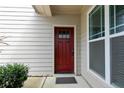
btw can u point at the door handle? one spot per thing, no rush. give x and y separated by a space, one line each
72 52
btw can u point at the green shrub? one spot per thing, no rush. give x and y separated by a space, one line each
13 75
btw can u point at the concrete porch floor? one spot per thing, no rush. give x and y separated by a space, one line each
49 82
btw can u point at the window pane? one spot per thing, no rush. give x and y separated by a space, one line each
111 11
117 61
97 57
103 20
68 36
116 18
119 14
120 29
96 22
111 31
120 17
60 34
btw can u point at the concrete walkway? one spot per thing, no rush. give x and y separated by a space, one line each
34 82
49 82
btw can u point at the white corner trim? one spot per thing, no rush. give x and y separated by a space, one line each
75 49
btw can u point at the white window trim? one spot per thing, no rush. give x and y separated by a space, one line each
75 48
117 34
107 47
114 19
97 39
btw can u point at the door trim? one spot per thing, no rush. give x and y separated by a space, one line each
53 48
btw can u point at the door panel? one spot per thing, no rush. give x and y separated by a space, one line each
64 45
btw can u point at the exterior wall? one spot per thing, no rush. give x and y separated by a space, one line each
93 79
30 38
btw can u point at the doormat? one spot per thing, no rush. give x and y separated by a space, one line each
65 80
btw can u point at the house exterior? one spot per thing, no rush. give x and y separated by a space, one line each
84 40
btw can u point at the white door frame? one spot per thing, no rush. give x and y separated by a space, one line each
53 34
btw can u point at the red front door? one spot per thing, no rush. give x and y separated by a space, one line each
64 49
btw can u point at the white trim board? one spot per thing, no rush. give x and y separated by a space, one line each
75 57
107 46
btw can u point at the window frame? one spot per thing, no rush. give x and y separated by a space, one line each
93 40
114 35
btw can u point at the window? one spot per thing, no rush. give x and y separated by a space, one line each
96 22
64 35
96 47
116 18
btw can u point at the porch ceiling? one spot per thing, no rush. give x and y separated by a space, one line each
66 9
49 10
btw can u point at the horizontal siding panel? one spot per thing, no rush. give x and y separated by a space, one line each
29 43
18 14
31 31
8 61
17 6
26 52
39 48
37 69
35 64
39 64
26 26
16 22
26 56
16 9
27 39
37 19
36 35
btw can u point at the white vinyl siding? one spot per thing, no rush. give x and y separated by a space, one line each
30 38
